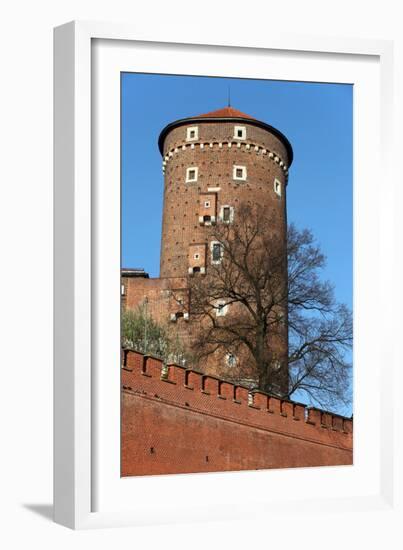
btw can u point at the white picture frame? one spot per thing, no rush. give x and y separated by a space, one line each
87 492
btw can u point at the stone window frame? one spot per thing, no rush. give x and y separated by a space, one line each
196 256
231 214
221 311
277 365
212 243
194 129
231 356
207 204
236 130
277 186
188 170
234 173
173 317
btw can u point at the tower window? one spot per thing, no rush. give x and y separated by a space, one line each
216 252
230 359
227 214
221 309
192 133
175 316
196 256
240 132
277 187
276 365
191 174
239 173
207 204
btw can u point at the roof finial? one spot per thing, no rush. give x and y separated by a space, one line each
229 95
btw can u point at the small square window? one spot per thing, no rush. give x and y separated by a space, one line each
221 309
192 133
191 174
196 256
277 187
230 359
239 173
207 204
240 132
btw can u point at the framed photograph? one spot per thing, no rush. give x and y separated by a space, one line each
222 241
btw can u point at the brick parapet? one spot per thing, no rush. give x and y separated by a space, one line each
148 377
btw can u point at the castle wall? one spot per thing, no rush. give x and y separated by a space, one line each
158 292
165 298
187 422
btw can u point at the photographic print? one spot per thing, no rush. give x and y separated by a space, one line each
236 274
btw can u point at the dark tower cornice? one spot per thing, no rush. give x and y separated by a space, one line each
227 114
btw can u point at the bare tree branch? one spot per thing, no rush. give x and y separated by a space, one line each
282 317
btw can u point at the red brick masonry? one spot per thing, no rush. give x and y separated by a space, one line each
183 421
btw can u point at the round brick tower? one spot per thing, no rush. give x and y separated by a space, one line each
213 163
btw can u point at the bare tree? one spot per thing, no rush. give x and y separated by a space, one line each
281 318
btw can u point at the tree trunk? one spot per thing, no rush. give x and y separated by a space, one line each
263 359
264 378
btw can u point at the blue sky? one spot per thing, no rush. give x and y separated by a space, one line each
317 120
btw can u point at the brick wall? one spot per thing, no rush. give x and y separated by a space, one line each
188 422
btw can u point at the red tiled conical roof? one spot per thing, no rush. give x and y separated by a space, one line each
226 112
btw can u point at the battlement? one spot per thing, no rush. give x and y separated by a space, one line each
198 395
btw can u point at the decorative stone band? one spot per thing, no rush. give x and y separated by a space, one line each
259 149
